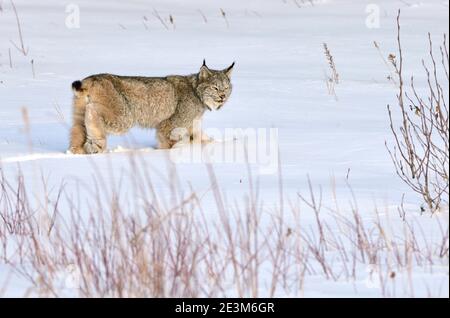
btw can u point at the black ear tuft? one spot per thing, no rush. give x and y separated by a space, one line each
77 86
204 71
229 69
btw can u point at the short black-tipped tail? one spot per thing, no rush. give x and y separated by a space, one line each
76 86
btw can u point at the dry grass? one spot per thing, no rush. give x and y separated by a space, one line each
389 68
224 16
10 58
172 21
160 19
303 3
21 47
123 238
332 77
202 15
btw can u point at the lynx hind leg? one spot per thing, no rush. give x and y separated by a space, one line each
78 131
95 129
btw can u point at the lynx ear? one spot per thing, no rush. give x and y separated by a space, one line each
204 71
229 70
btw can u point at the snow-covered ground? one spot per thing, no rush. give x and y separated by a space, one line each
278 83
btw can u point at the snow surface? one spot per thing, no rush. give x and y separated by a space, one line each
278 80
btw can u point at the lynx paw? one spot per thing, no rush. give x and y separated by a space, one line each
166 144
94 146
76 151
204 139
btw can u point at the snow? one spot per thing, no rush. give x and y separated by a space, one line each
278 83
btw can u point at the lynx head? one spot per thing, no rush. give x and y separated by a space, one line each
214 87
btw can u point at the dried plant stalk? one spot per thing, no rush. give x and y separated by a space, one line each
420 152
331 79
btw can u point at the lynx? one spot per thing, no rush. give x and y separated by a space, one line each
111 104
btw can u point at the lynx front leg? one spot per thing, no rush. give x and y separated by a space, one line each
96 134
168 136
163 141
197 135
201 137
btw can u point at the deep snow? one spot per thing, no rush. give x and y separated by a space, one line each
279 82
